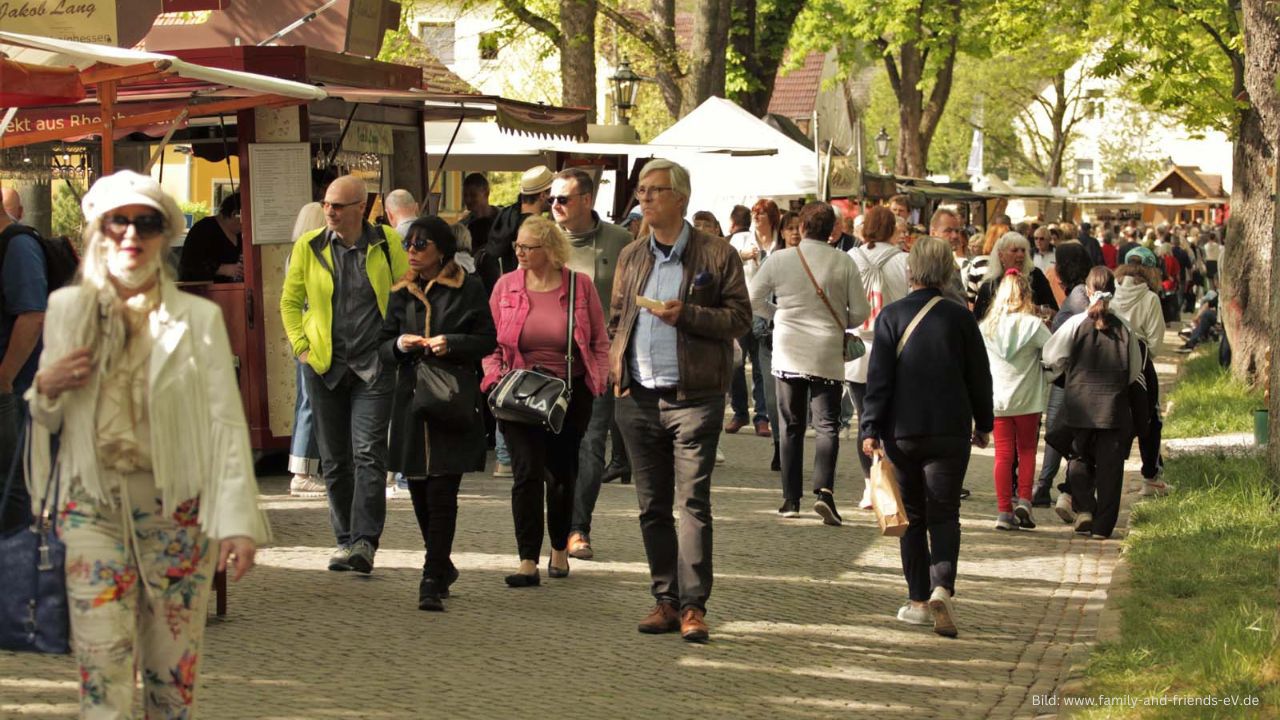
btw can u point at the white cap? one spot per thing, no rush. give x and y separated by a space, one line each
127 187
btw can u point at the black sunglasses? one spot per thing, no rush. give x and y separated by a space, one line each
146 225
418 243
563 199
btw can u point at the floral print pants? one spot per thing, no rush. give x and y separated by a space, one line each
138 584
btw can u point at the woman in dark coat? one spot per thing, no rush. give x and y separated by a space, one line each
436 313
1012 250
928 399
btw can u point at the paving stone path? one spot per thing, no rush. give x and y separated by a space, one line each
801 615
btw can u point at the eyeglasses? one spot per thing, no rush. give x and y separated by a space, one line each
563 199
418 244
327 205
147 225
949 230
643 192
522 248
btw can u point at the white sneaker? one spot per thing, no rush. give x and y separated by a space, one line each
502 471
1063 508
719 457
306 486
915 614
944 622
1084 523
1155 487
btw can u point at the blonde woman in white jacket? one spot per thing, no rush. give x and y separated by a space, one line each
1014 336
1138 304
155 472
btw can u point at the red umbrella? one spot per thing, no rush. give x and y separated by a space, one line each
25 85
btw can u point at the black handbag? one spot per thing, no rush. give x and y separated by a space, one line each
443 392
532 397
33 585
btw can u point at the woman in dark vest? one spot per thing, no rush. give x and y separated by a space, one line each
437 312
1098 357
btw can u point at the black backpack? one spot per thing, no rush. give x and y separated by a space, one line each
60 258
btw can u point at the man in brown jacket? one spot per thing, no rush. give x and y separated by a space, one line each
679 301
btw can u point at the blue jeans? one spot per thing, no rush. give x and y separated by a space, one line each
304 451
751 347
591 463
1052 458
500 452
351 426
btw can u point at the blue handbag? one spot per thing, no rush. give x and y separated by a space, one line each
33 584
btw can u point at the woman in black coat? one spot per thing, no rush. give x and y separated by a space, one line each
438 314
928 399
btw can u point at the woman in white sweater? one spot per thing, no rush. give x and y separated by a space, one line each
883 268
155 488
1138 305
1014 335
818 294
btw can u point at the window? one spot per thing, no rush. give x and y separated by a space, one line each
488 46
1093 104
439 39
1084 175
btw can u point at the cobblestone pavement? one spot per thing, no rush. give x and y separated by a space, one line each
802 618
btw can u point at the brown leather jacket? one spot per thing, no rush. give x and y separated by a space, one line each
716 313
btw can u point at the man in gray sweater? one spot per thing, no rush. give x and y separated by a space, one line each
594 246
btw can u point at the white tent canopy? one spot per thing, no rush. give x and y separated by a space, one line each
51 52
718 182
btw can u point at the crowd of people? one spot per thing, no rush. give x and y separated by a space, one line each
937 341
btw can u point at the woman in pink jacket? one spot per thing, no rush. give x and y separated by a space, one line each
530 309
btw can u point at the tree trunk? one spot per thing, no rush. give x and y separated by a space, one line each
912 150
662 14
707 56
578 54
761 38
1247 288
1262 57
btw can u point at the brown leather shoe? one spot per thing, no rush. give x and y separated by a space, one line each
693 626
663 618
762 429
580 546
734 425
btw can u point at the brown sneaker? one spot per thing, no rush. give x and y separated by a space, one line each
734 425
580 546
663 618
693 626
762 429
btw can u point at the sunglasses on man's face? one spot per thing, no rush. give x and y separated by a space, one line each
147 225
418 244
563 199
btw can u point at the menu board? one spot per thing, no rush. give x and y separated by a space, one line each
280 184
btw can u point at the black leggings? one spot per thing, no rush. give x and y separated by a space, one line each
435 503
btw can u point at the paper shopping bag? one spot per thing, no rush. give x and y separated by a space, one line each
886 498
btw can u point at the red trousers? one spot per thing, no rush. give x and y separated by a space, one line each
1015 436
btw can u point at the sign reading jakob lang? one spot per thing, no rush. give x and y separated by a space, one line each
92 21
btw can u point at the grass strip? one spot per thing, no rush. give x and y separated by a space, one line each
1199 618
1207 400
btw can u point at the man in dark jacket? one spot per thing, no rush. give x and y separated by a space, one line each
497 256
670 362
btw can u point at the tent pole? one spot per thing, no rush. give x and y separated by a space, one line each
445 157
107 100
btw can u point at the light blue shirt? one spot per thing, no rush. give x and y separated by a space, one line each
654 361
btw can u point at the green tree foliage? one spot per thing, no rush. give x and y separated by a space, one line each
68 219
1184 60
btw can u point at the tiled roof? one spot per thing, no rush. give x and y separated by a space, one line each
795 94
435 76
1208 186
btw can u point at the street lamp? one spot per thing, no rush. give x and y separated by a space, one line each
626 85
882 148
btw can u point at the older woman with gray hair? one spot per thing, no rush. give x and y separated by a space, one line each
928 398
1013 251
155 481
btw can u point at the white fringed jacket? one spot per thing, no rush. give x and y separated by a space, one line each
199 436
